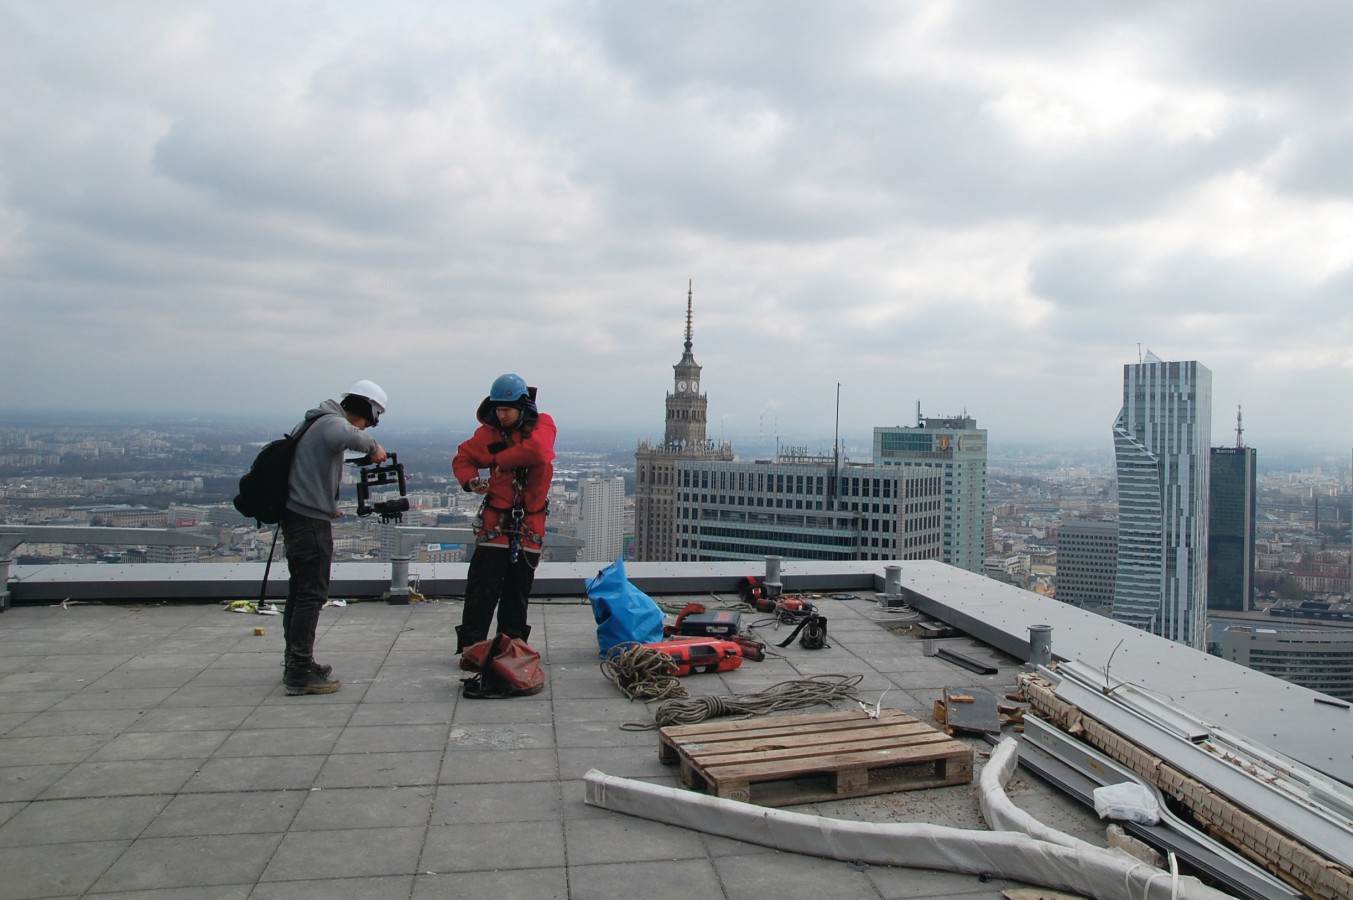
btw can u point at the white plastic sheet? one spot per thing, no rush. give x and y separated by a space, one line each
1053 860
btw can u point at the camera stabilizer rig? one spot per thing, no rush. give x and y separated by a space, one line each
389 472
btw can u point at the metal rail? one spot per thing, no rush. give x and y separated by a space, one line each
1077 768
1279 790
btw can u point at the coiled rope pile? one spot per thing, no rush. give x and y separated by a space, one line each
811 691
642 673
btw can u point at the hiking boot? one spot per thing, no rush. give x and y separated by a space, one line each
321 668
310 682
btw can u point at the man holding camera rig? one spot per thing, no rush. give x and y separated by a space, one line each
331 428
515 444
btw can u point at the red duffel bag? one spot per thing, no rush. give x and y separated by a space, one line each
513 669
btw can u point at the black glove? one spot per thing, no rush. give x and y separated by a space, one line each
497 447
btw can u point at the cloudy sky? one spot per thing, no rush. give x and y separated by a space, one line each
981 207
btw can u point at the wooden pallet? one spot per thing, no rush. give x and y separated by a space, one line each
785 760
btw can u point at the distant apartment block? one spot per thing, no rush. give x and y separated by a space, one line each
172 554
601 519
957 449
390 543
182 515
1232 505
805 508
120 515
1321 577
1087 563
1162 438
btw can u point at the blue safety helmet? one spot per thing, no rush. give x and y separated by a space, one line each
509 390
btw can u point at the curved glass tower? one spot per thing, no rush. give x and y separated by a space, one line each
1162 444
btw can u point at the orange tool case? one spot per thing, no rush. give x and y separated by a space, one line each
701 654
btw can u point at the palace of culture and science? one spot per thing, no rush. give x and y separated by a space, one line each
694 502
684 440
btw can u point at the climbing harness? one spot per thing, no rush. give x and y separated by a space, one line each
516 515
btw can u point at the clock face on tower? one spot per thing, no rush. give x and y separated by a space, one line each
681 386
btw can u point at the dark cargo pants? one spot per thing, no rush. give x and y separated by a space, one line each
310 554
494 582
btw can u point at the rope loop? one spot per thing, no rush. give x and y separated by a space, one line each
818 689
642 673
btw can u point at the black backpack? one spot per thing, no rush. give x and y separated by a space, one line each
263 489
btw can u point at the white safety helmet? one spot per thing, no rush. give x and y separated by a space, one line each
371 392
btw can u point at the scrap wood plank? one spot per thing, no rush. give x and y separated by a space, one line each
786 760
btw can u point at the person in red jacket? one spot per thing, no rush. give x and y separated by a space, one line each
514 447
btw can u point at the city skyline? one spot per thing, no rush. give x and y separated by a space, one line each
230 210
256 430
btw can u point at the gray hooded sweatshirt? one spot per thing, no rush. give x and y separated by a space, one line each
318 467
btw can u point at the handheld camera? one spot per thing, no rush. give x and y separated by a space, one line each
376 474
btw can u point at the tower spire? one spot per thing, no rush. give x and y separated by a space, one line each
689 293
1239 430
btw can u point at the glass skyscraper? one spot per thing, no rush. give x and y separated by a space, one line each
1162 447
1231 529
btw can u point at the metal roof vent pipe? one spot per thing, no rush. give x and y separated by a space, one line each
399 580
1040 646
773 585
892 597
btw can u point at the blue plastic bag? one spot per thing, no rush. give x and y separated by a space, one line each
624 613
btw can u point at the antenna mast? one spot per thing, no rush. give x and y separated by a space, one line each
689 292
1239 430
836 450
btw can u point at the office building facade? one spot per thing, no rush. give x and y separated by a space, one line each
1162 440
957 449
806 508
1319 660
1087 563
1232 505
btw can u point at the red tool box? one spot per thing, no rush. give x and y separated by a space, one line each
700 654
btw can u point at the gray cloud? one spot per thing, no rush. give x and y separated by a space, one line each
982 207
